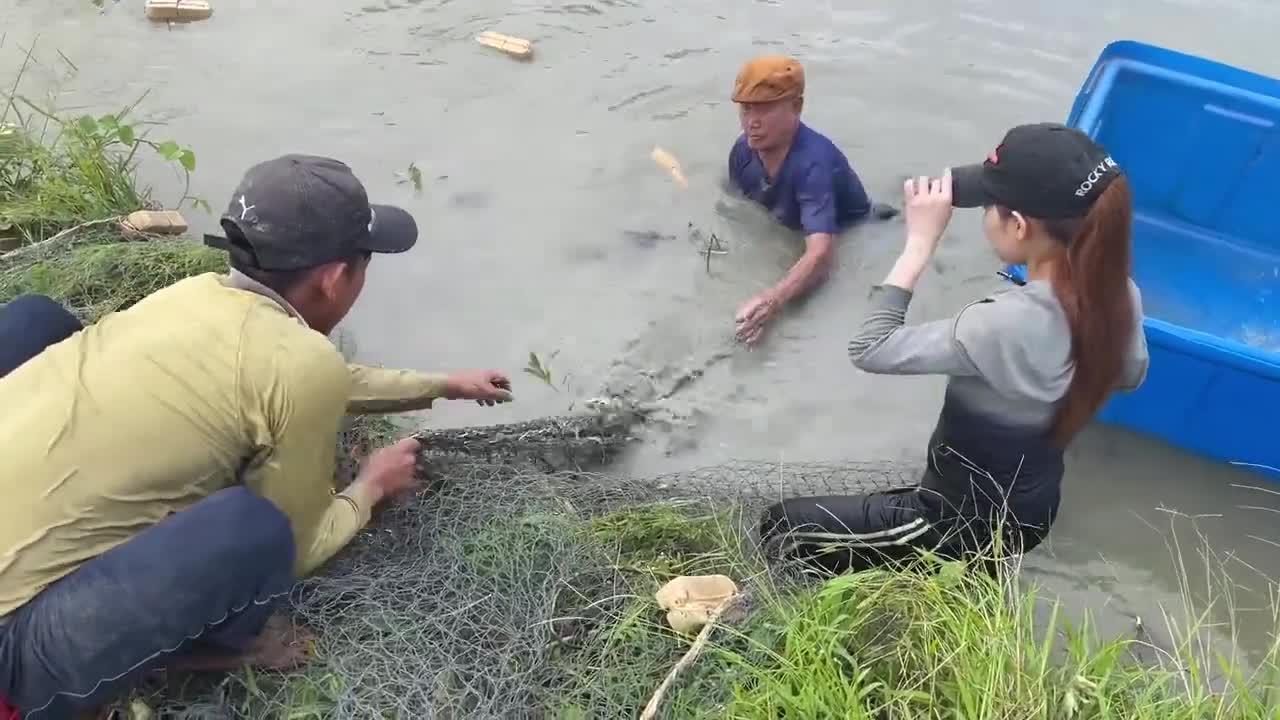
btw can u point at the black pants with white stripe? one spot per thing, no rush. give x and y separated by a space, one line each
988 491
848 533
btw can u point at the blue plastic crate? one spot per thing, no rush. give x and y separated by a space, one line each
1199 142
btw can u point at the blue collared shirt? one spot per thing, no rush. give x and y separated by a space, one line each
816 190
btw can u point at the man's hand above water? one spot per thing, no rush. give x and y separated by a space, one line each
807 272
486 387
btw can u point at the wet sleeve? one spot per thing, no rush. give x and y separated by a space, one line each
383 390
1138 358
885 344
737 161
297 402
860 200
816 196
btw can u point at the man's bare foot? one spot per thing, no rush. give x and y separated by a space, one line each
280 646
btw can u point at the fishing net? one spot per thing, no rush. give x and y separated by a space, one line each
103 266
518 582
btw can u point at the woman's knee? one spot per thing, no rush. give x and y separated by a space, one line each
796 526
783 519
773 521
835 514
779 524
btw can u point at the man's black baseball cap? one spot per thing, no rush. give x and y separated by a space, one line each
1043 170
299 211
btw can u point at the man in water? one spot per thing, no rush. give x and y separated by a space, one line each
796 173
169 471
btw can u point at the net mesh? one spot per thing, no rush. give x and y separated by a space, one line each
103 267
505 586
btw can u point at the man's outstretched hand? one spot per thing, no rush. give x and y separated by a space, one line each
486 387
754 316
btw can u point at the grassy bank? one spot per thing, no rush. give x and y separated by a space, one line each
935 642
59 170
108 273
65 181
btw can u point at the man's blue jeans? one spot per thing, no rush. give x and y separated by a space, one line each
28 325
205 579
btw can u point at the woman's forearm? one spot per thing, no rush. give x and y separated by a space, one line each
908 268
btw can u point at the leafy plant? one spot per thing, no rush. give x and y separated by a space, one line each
412 175
709 246
539 369
57 172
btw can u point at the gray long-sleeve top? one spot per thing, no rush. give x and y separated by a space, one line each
1008 355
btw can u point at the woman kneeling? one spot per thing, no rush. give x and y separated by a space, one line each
1027 367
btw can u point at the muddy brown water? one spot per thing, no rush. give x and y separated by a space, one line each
546 226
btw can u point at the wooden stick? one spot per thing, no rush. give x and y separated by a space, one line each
514 46
651 709
668 162
178 10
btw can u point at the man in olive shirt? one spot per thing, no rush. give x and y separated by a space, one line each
168 471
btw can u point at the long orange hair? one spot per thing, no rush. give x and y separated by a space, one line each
1091 281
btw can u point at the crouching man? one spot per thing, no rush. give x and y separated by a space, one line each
168 471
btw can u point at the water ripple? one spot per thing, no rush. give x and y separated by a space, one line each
638 97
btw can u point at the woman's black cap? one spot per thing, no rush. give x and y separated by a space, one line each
1043 170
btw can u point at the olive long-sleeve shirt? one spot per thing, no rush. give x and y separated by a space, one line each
210 382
